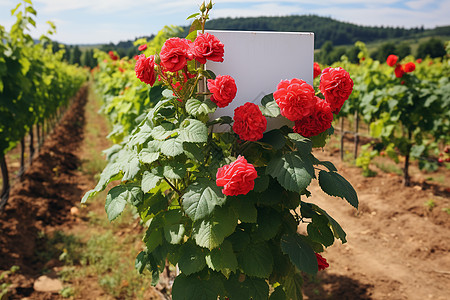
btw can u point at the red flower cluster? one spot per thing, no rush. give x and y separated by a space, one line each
142 47
316 69
400 69
336 86
311 114
321 262
207 47
223 90
237 178
145 69
316 123
392 60
175 53
295 99
112 55
249 122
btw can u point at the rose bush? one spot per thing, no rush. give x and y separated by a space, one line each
225 205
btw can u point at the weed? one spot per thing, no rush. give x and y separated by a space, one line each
4 286
67 292
446 209
430 204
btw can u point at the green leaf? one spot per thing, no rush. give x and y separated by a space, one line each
163 131
156 203
193 16
304 145
222 259
292 171
155 93
13 11
211 232
337 229
130 166
174 171
246 209
319 231
249 288
293 284
319 141
256 260
268 223
168 94
194 151
149 181
194 131
172 147
335 185
192 287
275 138
141 261
174 228
146 156
329 165
269 106
196 108
118 197
200 200
222 121
192 259
299 252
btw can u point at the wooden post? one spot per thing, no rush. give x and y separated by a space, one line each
31 144
22 157
355 152
5 185
406 178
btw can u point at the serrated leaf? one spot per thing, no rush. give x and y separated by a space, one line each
172 147
250 288
141 261
293 172
168 94
268 224
192 259
299 252
195 132
256 260
337 229
222 120
196 108
149 181
222 259
193 287
335 185
200 200
118 197
210 233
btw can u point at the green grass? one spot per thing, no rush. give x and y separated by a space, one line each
389 168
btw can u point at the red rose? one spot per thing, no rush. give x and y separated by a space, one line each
142 47
317 69
175 54
207 47
136 57
391 60
321 262
419 60
145 69
295 99
409 67
223 90
249 122
336 85
399 71
238 178
316 123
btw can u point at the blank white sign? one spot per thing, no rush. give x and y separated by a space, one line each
259 60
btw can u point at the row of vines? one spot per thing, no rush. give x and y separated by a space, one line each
35 85
404 104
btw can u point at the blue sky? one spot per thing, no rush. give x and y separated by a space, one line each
104 21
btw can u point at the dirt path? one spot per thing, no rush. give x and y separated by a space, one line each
396 249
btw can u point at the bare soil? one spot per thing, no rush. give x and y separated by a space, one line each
398 247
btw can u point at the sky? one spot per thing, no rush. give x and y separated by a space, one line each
105 21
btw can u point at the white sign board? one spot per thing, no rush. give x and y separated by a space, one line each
259 60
